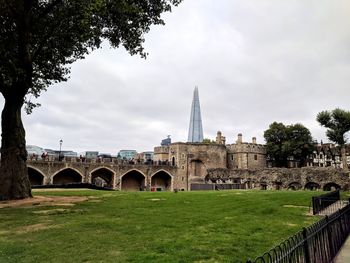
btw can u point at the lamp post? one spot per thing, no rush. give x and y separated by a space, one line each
59 155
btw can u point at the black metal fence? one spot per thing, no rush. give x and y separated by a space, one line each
320 202
319 243
213 186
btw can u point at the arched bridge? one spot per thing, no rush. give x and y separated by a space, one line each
129 177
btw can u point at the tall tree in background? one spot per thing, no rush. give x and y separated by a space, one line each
283 142
275 138
39 39
338 123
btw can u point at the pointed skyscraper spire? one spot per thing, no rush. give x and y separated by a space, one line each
195 132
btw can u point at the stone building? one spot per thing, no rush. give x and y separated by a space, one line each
193 160
244 155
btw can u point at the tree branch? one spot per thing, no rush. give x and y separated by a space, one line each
49 8
45 39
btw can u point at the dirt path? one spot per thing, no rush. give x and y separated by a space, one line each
44 201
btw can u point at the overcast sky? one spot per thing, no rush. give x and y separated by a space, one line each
254 61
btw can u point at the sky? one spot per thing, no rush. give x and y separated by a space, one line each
254 62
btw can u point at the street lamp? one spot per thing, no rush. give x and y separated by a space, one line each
59 155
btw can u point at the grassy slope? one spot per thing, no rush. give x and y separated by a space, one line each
224 226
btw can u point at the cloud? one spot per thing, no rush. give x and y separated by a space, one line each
255 62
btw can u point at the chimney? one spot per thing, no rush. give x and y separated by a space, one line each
239 139
254 140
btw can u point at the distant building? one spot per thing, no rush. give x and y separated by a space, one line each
144 157
195 132
105 155
127 154
69 153
91 154
328 154
51 152
148 156
34 150
166 142
56 153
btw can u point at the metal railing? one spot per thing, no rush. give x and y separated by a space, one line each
319 243
320 202
215 186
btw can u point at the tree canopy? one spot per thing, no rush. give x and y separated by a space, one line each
39 39
338 123
283 142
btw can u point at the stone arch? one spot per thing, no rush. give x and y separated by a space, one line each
102 176
247 184
294 186
133 180
36 177
278 185
311 186
263 185
162 180
331 186
67 176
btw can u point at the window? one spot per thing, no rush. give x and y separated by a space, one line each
255 157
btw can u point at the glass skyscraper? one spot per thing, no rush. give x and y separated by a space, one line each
195 132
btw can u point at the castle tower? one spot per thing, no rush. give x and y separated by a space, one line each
195 132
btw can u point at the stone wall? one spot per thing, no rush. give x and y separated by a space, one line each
283 178
193 160
161 153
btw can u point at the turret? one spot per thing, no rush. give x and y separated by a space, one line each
220 139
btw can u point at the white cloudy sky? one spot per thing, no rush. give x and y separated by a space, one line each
254 61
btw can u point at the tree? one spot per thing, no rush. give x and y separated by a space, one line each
39 39
207 141
283 142
338 123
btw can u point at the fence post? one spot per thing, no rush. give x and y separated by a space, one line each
306 247
330 239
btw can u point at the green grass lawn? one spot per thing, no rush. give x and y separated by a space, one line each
212 226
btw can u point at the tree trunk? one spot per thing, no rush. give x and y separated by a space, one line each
344 158
14 181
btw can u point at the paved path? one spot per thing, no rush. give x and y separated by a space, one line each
344 254
333 208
